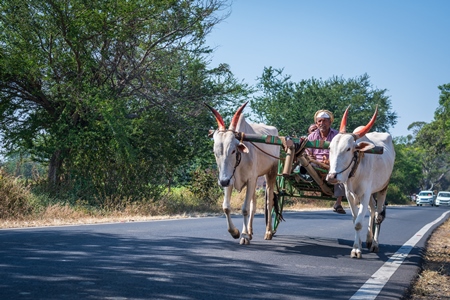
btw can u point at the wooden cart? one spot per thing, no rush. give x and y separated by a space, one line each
298 175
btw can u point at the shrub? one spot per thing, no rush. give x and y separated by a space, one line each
15 197
395 196
204 186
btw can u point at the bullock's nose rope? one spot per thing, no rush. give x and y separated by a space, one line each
238 161
354 159
358 160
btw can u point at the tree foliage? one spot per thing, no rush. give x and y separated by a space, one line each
407 173
434 140
109 93
291 106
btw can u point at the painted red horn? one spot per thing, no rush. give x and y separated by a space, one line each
344 121
219 118
362 132
236 117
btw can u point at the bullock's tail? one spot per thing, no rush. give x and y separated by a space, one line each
276 207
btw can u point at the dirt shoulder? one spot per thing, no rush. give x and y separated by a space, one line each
433 281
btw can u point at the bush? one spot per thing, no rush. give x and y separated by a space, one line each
204 186
15 197
395 196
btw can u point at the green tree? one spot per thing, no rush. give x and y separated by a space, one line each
291 106
434 141
407 173
109 93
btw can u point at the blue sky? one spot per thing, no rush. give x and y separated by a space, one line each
404 46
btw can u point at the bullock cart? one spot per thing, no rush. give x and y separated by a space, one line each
299 176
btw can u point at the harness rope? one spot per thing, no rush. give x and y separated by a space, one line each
238 154
242 140
277 157
238 161
357 155
358 160
354 159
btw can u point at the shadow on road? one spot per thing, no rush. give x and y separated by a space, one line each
76 264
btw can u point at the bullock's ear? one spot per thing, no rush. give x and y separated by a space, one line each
211 133
364 146
242 148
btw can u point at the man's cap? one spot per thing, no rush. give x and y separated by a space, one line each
323 113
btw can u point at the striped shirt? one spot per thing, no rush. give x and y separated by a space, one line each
320 153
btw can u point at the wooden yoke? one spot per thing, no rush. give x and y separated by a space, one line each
288 142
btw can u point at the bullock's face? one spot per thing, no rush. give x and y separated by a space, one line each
225 148
342 148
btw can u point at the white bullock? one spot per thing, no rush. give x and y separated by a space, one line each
365 176
240 164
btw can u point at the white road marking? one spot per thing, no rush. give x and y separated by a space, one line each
375 284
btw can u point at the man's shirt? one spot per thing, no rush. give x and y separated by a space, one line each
320 153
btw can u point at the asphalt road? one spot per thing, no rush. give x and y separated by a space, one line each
309 258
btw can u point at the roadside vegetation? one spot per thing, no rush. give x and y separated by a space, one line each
23 204
433 281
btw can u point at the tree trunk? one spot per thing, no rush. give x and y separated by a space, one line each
169 184
54 168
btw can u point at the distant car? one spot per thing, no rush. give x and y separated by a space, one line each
425 197
443 198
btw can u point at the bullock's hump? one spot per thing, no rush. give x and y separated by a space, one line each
378 138
259 128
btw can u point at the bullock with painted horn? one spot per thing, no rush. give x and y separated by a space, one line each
240 164
365 177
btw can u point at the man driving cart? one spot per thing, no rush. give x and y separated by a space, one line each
323 119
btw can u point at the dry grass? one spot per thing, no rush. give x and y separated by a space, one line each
64 214
57 214
14 197
433 281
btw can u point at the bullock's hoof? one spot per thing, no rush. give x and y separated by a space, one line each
234 233
244 241
268 236
374 249
356 253
249 235
369 245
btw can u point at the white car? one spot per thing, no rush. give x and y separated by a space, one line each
425 197
443 198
